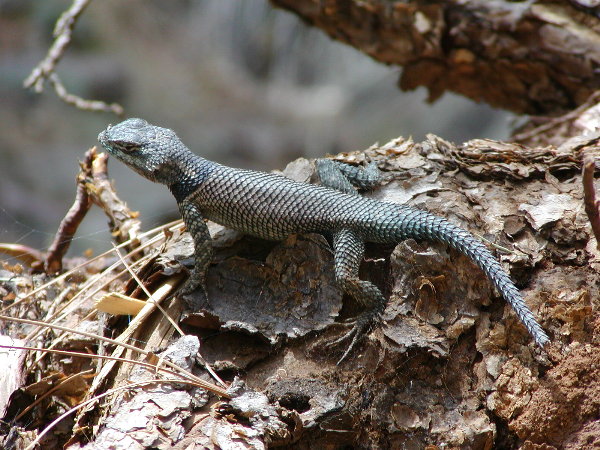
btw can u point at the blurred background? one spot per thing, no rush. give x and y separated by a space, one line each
239 81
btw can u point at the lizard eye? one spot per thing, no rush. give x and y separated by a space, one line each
126 146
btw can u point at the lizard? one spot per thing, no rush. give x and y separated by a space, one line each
271 206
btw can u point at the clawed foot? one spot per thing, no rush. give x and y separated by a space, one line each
191 286
355 335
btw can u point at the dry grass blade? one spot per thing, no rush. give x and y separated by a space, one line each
168 317
65 310
147 292
184 373
78 298
155 367
92 356
46 394
175 224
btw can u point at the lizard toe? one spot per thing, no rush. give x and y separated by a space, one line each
355 335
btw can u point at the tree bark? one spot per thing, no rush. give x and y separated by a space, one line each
450 364
533 57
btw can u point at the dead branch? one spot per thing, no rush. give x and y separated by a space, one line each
124 223
81 103
46 68
529 57
94 186
68 226
592 206
62 38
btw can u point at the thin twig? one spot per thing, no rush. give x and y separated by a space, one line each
124 223
82 103
46 67
184 373
93 186
68 226
592 206
62 38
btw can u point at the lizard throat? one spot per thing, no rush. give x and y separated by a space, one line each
186 184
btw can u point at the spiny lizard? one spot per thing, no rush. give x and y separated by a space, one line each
272 207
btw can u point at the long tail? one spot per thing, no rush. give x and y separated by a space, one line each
423 225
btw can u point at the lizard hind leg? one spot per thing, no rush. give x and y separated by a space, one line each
348 254
349 249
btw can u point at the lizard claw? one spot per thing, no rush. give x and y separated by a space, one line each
191 286
188 287
196 280
355 335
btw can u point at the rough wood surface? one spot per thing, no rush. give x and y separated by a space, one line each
450 366
534 57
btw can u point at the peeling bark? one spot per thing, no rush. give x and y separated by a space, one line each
450 364
534 57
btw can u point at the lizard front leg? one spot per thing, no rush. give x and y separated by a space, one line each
363 178
346 178
203 250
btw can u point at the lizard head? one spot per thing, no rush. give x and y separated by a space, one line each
151 151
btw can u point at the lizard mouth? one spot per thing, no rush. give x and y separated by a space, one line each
102 137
